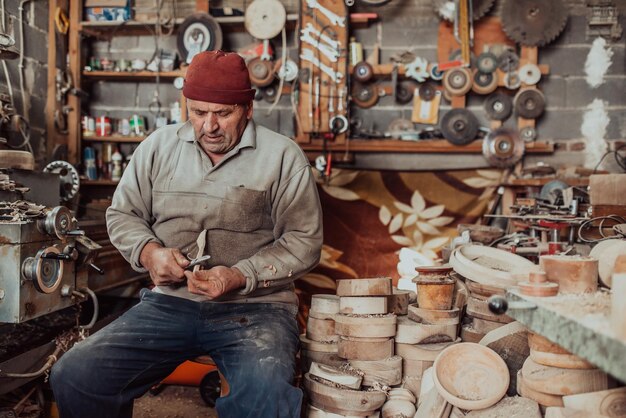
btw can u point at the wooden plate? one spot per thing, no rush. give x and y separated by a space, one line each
343 401
379 286
366 326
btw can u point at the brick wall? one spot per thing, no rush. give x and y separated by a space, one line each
35 16
406 25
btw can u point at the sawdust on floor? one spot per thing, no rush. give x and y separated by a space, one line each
173 402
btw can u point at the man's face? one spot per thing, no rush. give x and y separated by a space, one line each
218 127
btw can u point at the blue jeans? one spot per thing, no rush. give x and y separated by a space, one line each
254 346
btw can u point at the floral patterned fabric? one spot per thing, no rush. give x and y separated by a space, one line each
370 215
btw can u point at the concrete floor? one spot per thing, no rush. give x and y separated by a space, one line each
173 402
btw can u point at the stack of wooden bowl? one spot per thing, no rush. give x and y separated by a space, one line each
431 324
479 320
319 344
551 372
366 328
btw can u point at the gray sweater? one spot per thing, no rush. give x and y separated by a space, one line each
259 205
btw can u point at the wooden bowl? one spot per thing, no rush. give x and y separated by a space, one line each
340 401
470 376
481 233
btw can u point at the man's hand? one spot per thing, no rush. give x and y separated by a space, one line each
166 265
215 282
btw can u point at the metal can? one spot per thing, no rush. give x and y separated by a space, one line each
89 126
103 126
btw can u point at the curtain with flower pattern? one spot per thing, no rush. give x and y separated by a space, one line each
370 215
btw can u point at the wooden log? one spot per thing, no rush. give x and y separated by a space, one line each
322 347
433 316
544 399
322 330
324 306
363 305
609 403
352 348
480 309
559 412
427 352
559 381
336 375
387 371
398 302
379 286
411 332
343 401
366 326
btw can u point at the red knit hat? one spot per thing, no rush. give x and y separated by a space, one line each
218 77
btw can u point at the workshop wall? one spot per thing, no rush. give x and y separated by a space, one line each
31 104
412 25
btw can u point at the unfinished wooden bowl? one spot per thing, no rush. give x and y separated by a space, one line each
573 273
434 293
387 371
490 266
607 252
547 353
343 401
324 306
471 376
378 286
434 316
481 233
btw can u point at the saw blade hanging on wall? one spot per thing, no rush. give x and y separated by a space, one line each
503 148
459 126
533 22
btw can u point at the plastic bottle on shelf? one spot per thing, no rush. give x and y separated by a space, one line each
116 172
175 112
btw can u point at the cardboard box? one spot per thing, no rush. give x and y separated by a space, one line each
107 10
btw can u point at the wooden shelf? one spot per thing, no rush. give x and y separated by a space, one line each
131 75
129 139
87 182
419 146
542 181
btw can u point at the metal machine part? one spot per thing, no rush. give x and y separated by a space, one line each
405 91
70 182
459 126
269 93
364 95
447 8
484 83
529 103
198 32
503 148
363 71
45 270
498 106
400 125
457 81
528 133
533 22
427 91
288 71
338 124
552 191
417 69
512 80
261 72
435 74
487 62
508 61
57 222
529 74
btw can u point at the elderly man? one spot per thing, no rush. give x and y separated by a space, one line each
216 185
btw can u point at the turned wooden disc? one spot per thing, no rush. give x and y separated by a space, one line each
322 330
483 291
343 401
543 289
366 326
363 305
481 326
335 375
411 332
541 398
331 359
387 371
415 367
324 306
321 347
433 316
379 286
470 335
607 403
427 352
398 302
365 348
480 309
560 381
573 273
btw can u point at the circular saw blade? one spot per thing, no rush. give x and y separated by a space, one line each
533 22
446 9
459 126
503 147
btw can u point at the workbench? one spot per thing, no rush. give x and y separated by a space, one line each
578 322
